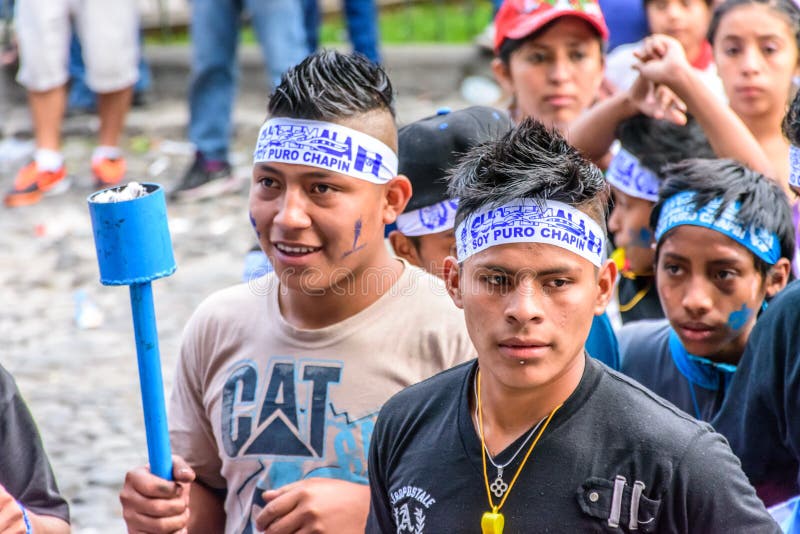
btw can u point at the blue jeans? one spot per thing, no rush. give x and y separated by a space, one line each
361 17
80 96
215 25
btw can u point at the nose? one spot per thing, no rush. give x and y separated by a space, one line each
752 61
292 213
560 70
523 304
674 11
697 298
615 222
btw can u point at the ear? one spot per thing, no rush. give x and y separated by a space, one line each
605 285
452 279
404 248
503 75
396 195
777 277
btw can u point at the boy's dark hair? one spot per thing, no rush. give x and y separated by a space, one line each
791 121
656 143
786 8
328 85
763 202
530 161
510 45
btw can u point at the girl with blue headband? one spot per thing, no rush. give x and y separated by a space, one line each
723 238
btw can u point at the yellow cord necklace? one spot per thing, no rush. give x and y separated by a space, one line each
493 522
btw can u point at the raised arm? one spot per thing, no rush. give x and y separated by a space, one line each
663 61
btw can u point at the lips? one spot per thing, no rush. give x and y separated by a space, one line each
560 101
694 331
749 91
519 348
295 249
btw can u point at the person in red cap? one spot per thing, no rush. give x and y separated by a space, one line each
550 57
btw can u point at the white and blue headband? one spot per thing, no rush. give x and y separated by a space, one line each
327 146
680 210
433 219
532 221
627 174
794 166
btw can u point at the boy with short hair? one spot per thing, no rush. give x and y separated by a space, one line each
646 145
429 149
724 235
534 435
280 381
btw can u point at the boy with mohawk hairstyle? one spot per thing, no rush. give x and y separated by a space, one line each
280 381
724 235
535 436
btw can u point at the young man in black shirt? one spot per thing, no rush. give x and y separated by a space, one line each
535 436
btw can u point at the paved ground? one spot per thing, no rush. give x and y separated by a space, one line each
81 384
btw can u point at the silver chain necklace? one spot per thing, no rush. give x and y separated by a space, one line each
499 486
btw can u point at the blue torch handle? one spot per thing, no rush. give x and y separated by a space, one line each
152 385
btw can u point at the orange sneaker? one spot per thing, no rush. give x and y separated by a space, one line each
30 185
108 171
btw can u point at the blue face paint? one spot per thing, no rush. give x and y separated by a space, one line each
253 223
357 234
641 239
738 318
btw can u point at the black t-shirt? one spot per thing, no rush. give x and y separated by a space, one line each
761 413
649 307
646 357
24 469
426 474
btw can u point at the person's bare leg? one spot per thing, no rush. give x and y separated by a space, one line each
47 111
113 108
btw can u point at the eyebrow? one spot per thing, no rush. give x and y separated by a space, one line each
551 271
720 261
310 174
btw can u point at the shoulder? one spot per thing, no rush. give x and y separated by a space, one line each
239 302
654 420
642 337
439 390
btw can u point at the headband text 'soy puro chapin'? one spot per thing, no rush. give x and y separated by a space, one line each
439 217
532 221
327 146
627 174
680 210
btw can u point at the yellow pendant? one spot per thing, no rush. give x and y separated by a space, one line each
492 523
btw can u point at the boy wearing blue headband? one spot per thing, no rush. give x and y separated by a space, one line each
723 235
280 380
535 436
646 146
761 413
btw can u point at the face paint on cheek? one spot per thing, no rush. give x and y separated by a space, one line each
737 319
641 239
253 223
356 234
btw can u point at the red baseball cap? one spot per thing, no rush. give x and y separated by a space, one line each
519 18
